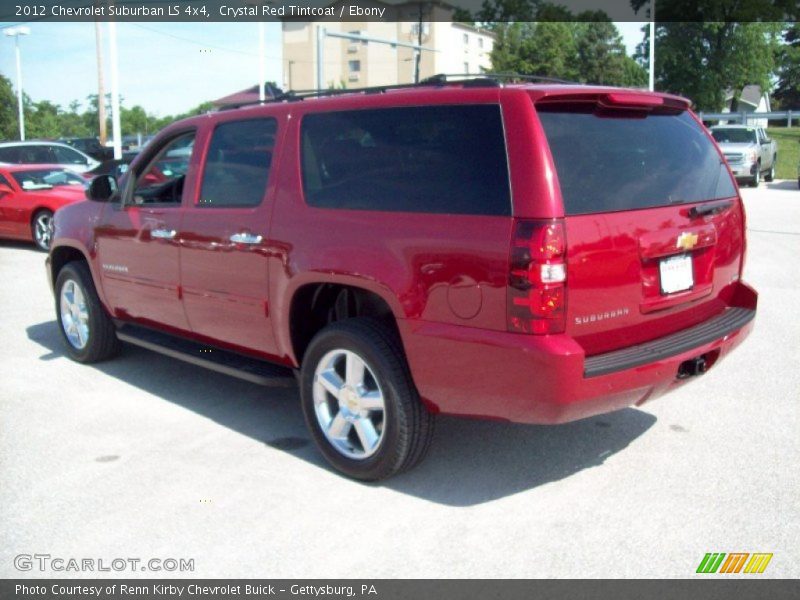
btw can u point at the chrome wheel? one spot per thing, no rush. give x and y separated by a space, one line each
43 230
349 404
74 314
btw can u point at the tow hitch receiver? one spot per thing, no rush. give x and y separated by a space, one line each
692 367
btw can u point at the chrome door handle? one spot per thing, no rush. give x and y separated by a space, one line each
245 238
163 234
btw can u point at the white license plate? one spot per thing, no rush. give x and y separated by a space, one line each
676 274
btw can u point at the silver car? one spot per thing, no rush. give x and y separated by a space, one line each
46 153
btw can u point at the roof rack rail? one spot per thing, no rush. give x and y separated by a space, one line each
440 79
444 78
282 97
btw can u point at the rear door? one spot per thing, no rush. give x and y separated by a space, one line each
654 224
225 237
70 158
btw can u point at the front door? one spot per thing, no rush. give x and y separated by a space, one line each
138 242
224 238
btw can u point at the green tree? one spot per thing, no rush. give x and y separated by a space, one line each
591 52
602 58
701 60
9 128
72 122
91 118
787 91
634 75
134 120
553 51
43 120
546 49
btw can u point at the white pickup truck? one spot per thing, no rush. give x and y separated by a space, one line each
748 150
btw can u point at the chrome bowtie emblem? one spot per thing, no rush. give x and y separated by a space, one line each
686 240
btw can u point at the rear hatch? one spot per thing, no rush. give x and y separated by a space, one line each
654 225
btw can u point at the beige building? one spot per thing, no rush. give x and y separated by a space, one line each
448 48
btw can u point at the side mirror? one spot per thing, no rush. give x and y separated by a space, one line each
5 190
102 188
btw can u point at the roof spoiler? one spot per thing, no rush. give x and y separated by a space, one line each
619 100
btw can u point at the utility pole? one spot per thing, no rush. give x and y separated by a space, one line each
418 52
652 47
101 88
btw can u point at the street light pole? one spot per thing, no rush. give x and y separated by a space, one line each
652 58
262 72
15 32
116 129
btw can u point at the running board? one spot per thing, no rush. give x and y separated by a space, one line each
209 357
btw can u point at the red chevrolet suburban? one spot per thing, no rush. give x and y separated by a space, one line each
536 253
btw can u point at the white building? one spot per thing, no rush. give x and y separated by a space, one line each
447 48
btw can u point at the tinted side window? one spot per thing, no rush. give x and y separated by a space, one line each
611 162
435 159
33 155
238 163
65 156
9 155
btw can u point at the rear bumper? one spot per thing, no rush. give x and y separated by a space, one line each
548 379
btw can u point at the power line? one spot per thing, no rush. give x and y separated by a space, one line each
198 43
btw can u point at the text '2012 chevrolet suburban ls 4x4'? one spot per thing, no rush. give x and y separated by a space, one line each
534 253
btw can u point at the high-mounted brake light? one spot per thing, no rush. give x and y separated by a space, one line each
622 99
537 277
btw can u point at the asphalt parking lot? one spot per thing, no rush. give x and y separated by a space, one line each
148 457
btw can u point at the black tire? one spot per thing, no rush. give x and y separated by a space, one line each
756 180
770 176
407 426
41 229
101 343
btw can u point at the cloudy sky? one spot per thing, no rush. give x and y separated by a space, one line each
165 67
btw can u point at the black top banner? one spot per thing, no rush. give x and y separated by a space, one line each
480 11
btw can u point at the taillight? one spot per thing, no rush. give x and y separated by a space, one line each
537 293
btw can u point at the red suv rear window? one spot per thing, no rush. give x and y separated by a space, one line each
624 160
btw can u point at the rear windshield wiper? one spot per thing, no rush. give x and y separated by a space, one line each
709 209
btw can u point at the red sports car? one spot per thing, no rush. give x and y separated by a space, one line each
30 194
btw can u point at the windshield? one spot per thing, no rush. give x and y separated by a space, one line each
45 179
734 136
616 161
